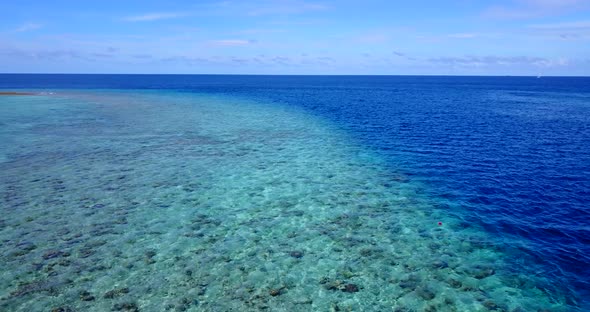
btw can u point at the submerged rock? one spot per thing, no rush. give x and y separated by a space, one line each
276 291
425 293
23 249
26 246
31 287
149 257
183 304
95 244
481 272
371 252
490 305
50 254
296 254
126 306
455 283
86 296
340 285
440 264
85 252
116 293
350 288
332 285
408 284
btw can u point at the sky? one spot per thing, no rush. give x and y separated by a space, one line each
382 37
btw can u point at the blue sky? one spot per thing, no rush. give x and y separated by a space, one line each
461 37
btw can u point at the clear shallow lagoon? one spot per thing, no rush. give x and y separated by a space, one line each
225 193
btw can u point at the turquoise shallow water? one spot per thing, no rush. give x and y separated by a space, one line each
165 201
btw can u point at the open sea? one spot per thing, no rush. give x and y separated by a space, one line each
294 193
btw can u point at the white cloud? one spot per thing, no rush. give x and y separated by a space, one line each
142 56
576 30
28 27
481 61
372 38
563 26
462 36
552 4
232 42
286 7
524 9
258 31
152 17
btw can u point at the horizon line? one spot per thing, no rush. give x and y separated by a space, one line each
319 75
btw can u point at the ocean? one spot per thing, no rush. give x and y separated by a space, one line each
294 193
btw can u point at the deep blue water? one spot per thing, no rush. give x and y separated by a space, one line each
510 154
